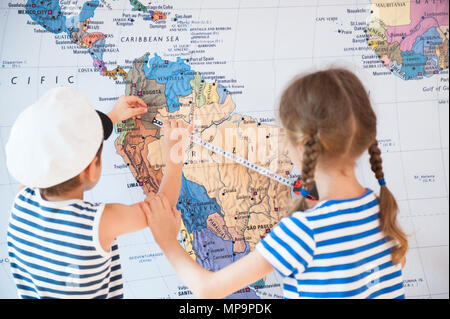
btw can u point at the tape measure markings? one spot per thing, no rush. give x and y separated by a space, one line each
235 158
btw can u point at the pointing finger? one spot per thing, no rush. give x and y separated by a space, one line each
136 100
137 111
181 124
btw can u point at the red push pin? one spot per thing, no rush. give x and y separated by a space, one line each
297 186
312 195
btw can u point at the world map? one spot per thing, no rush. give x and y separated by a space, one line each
222 65
410 37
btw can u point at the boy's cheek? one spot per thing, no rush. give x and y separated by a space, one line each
99 171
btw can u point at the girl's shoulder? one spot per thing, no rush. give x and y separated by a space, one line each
330 208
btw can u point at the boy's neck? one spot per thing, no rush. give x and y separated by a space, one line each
77 193
338 183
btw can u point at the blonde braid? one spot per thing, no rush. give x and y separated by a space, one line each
311 153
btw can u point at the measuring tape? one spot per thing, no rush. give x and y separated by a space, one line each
294 184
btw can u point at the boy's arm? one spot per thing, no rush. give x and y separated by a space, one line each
165 224
175 139
127 107
119 219
171 182
20 188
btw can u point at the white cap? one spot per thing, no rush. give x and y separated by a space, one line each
54 139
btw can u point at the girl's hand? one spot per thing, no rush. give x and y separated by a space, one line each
127 107
176 139
163 220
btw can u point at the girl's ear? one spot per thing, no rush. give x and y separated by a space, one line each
300 148
295 151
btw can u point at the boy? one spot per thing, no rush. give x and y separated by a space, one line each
59 245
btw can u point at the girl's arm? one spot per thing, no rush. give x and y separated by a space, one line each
165 222
215 285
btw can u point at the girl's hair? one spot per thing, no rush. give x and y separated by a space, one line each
330 112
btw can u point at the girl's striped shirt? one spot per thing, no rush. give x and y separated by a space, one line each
55 252
334 250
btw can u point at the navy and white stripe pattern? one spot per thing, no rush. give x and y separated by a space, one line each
55 251
334 250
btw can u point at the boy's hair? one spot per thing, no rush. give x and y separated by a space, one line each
330 112
70 184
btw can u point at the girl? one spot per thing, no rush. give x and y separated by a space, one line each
349 244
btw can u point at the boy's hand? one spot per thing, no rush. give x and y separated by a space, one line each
163 220
127 107
176 139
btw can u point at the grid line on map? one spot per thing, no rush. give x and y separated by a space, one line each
405 187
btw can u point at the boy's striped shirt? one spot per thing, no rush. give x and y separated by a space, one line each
334 250
55 252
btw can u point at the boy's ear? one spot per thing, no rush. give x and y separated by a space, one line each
89 173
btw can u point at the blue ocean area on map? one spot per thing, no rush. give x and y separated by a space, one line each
72 23
195 205
175 75
48 15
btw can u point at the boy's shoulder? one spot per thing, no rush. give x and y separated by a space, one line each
32 196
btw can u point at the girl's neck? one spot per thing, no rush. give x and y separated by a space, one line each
338 184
